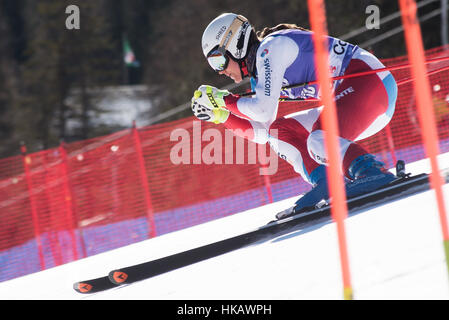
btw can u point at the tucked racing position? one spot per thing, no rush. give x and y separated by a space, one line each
284 55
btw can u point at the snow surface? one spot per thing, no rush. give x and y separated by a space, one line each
395 252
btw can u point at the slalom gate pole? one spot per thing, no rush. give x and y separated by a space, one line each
413 39
339 208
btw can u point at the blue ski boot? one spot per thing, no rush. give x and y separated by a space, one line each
319 192
368 175
309 200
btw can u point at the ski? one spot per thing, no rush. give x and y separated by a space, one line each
404 186
93 285
152 268
401 177
396 189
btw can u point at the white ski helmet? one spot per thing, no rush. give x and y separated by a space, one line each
228 33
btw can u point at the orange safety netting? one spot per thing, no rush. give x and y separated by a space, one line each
83 198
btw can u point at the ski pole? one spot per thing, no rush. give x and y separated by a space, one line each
353 75
304 107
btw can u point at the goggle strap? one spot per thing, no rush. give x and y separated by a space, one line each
244 68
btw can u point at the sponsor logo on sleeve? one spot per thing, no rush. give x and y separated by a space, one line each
264 53
267 73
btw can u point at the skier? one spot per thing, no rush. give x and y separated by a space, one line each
284 55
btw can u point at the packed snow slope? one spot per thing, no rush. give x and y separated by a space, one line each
395 252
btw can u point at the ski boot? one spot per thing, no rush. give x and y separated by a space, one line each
311 199
367 175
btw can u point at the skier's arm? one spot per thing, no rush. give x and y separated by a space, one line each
274 56
241 127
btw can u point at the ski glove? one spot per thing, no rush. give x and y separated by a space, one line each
211 97
216 115
208 104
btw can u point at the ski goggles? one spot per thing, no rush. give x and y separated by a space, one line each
218 60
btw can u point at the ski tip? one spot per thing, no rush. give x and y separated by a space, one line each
82 287
117 276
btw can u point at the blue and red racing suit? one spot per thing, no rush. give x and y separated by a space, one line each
364 104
